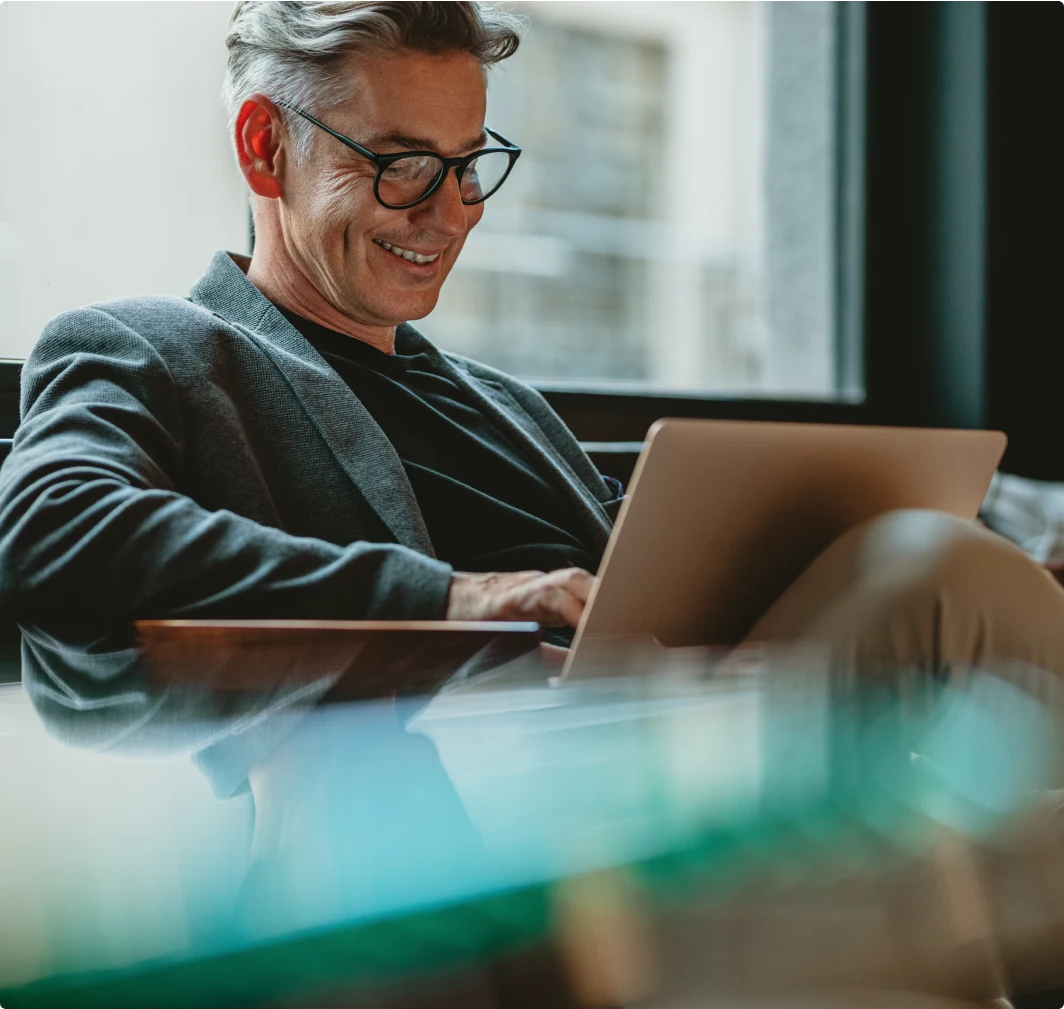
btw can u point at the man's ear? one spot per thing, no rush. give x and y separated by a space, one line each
258 145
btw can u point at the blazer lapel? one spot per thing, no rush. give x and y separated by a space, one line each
549 461
355 438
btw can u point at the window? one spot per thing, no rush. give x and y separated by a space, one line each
672 224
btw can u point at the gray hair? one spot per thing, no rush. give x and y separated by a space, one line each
294 52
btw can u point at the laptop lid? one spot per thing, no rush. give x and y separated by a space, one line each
721 516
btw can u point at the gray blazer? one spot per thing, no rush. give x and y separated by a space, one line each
197 457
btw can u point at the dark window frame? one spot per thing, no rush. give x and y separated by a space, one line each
950 136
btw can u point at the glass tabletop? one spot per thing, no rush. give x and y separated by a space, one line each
255 815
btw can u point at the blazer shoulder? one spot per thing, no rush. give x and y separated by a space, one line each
156 317
174 329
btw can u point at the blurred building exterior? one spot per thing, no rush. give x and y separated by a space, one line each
671 223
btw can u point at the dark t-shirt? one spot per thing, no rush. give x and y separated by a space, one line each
486 505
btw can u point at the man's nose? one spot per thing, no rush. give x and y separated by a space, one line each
444 212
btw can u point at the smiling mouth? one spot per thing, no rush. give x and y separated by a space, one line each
407 254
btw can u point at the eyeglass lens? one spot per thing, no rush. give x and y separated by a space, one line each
406 180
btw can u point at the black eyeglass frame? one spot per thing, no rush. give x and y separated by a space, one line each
382 161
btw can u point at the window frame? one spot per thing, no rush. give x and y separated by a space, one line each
603 412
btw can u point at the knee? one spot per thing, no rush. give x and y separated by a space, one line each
948 591
934 551
923 589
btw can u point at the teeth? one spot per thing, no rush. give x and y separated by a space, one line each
414 257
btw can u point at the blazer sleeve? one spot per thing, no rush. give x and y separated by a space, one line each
92 523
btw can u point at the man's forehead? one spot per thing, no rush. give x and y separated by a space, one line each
418 101
399 140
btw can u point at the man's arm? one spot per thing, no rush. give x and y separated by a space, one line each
92 523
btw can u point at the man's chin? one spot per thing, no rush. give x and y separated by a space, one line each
409 307
402 309
405 301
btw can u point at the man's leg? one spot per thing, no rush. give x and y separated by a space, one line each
922 590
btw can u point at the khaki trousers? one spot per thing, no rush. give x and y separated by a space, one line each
924 591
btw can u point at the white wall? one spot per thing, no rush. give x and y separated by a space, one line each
107 859
116 176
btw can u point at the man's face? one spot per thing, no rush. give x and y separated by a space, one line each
332 222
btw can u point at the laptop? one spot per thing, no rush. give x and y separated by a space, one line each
722 516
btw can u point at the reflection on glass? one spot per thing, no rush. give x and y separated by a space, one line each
698 827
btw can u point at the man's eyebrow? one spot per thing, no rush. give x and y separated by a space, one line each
409 143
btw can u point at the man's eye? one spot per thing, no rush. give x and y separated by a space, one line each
411 170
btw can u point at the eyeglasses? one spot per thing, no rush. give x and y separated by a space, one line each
408 178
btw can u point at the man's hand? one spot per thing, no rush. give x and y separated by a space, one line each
551 599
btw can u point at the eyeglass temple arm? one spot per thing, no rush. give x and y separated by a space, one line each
501 138
364 151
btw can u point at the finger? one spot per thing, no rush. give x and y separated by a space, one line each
553 599
579 582
568 606
547 606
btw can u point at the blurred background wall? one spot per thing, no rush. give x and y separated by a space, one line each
671 222
116 176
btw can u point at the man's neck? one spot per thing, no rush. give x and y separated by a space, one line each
284 285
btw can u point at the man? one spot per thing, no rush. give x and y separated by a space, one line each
202 457
284 444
